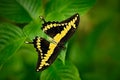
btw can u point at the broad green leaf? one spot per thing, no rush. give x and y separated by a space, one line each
24 60
20 10
11 38
69 7
33 29
53 17
59 71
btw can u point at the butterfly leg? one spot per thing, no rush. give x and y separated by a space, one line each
42 18
62 46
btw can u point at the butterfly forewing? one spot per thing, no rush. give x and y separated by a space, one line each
42 46
54 28
61 31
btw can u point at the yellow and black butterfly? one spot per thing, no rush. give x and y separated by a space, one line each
60 32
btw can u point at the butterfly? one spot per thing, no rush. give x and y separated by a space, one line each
60 32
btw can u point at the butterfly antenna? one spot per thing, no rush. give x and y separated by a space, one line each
42 19
28 42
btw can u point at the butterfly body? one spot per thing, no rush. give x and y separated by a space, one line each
60 32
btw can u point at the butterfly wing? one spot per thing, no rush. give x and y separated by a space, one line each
61 31
47 53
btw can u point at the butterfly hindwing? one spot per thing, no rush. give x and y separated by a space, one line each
47 52
42 47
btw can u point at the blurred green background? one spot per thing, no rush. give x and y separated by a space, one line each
93 53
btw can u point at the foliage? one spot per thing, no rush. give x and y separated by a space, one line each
61 72
91 54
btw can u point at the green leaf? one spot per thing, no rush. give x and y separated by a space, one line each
11 38
62 54
53 17
32 29
20 10
69 7
59 71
